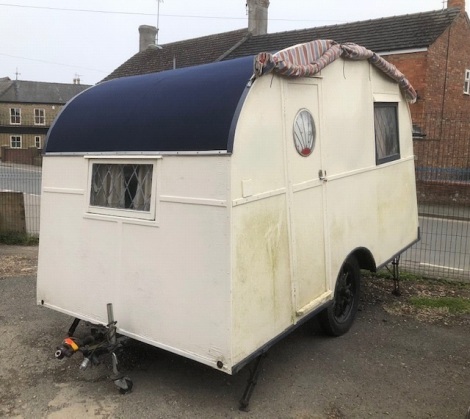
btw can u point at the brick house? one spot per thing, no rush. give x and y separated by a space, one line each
431 48
27 109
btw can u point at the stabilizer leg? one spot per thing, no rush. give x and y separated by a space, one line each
396 276
73 327
123 383
252 381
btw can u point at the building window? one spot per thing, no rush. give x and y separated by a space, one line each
37 141
15 141
15 116
466 83
387 145
39 117
122 186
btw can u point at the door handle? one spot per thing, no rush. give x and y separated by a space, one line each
322 175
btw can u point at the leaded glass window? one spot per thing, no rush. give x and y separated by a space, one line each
121 186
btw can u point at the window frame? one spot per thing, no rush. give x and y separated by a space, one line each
466 82
124 212
16 138
39 115
15 113
391 156
38 141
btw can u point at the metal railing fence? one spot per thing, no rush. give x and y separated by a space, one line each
443 189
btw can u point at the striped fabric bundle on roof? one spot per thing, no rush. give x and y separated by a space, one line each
355 52
304 60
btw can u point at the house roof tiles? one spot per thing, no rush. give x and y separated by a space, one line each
411 31
180 54
20 91
395 33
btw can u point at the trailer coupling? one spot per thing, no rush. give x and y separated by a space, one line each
103 340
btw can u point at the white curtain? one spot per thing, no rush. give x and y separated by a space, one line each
386 135
141 200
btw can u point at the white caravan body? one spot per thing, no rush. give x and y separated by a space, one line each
239 231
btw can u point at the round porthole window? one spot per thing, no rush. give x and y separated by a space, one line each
304 133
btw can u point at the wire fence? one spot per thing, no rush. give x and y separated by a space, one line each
442 149
443 188
20 199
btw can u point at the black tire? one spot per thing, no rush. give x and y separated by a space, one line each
338 318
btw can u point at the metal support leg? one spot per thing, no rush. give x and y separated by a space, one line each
252 381
73 327
396 276
123 383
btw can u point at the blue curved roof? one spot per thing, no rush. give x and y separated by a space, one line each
188 109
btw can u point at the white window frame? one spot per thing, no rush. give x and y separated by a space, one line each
16 139
117 212
39 116
466 83
38 141
15 113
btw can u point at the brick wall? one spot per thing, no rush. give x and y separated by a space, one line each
450 56
443 193
31 156
438 73
443 113
27 140
27 130
27 112
414 67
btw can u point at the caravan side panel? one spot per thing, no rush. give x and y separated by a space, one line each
369 204
167 277
261 269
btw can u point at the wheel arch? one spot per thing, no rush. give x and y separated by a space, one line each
364 258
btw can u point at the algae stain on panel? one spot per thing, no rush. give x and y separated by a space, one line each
260 244
261 289
262 262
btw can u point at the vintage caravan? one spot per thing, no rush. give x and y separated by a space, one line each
216 209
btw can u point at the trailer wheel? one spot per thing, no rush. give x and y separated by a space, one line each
338 318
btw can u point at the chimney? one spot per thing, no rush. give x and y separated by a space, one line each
258 16
147 36
456 3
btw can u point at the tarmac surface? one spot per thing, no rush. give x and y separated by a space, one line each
387 366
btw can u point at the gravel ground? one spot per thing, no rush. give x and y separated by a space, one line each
396 362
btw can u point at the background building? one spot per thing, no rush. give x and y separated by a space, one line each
27 110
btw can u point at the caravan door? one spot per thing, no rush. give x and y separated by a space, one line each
306 195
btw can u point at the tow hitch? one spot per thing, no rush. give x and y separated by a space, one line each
102 341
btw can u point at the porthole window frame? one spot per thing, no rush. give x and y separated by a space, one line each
304 139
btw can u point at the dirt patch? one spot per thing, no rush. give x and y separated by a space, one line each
18 260
377 291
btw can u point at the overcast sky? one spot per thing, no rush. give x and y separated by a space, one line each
53 40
